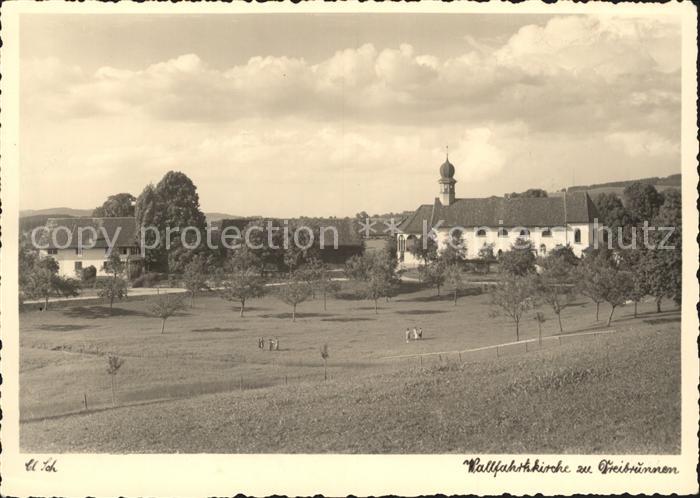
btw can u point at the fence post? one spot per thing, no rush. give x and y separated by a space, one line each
85 400
497 352
421 360
460 356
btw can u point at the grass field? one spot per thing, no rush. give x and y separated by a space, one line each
204 386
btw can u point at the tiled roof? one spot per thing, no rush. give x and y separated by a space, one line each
551 211
124 229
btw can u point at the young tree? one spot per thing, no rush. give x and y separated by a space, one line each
453 278
634 261
114 363
615 286
540 319
432 274
318 276
555 283
165 306
424 249
293 293
455 249
587 276
513 296
111 289
486 256
195 276
324 356
242 285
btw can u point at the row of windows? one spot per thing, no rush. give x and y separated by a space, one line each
133 251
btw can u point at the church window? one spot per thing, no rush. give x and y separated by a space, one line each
546 232
481 232
524 232
577 236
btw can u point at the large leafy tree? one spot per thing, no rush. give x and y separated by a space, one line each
148 214
520 260
377 273
118 205
294 292
42 281
643 202
664 261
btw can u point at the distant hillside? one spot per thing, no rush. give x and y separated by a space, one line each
27 223
56 212
221 216
672 181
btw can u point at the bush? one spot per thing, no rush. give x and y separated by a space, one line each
149 279
88 275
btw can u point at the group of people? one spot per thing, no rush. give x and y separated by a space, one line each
272 344
416 335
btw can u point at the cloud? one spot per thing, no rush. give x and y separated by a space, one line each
574 73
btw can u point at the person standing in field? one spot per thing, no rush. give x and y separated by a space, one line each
408 334
415 333
420 333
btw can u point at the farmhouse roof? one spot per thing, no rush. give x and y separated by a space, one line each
63 232
557 210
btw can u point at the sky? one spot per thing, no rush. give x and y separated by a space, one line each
328 115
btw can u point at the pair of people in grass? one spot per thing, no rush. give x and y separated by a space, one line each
417 334
273 344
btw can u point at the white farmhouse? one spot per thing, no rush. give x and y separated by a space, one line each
547 222
60 240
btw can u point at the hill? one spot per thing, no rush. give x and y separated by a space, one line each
661 183
56 212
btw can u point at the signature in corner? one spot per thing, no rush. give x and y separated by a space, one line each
48 465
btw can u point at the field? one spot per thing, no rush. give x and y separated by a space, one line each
204 386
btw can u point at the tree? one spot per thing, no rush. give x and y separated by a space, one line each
148 212
317 275
112 288
612 212
432 274
116 206
424 249
294 293
242 285
520 260
643 201
615 287
165 306
588 274
324 356
114 363
292 257
513 296
634 261
453 278
663 267
529 193
195 276
43 281
554 283
377 273
540 319
455 249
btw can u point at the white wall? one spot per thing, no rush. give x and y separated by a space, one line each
67 258
474 242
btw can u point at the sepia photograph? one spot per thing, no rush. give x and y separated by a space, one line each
353 233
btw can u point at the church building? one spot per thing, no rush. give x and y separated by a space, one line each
497 222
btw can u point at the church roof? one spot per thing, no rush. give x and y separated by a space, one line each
557 210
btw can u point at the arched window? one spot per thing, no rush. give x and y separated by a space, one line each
481 232
502 232
577 236
524 232
546 232
543 249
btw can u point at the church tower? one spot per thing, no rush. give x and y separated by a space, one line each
447 182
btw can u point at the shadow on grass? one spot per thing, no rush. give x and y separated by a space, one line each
420 312
659 321
95 312
347 319
288 316
63 328
217 329
444 297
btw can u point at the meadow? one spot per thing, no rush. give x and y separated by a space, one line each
205 386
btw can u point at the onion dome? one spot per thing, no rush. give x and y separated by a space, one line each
447 170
